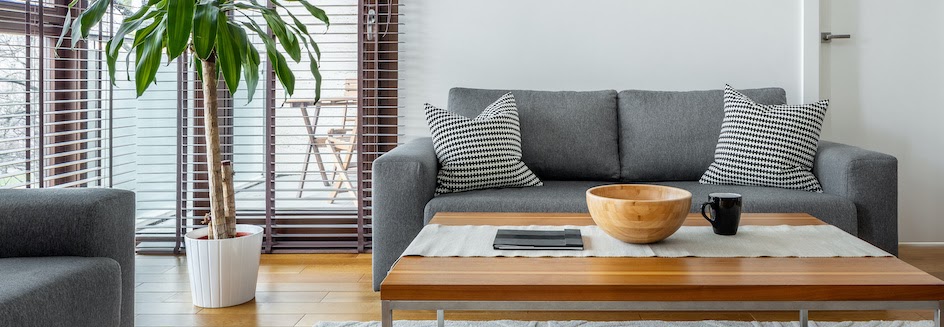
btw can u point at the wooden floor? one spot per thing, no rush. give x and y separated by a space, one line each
302 289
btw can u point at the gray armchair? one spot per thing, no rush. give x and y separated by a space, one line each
66 257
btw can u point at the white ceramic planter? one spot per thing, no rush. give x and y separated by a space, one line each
233 264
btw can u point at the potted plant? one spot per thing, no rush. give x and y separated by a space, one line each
223 259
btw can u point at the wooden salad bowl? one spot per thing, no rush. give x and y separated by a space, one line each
639 213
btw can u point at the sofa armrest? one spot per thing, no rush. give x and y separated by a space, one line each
85 222
870 180
404 180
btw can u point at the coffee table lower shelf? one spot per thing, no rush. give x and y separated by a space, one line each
388 306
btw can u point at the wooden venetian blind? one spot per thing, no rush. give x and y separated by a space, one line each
379 78
62 124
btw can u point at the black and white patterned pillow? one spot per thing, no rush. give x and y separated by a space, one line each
481 152
767 145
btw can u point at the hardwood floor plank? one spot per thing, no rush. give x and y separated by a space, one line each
155 269
160 260
235 320
264 297
163 287
351 297
165 308
162 278
297 308
152 297
309 276
271 269
313 287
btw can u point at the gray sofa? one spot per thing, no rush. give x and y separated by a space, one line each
66 257
577 140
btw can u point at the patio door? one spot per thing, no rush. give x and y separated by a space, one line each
303 167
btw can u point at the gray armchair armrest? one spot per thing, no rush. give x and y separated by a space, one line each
404 180
870 180
82 222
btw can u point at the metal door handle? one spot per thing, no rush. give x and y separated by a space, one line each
827 37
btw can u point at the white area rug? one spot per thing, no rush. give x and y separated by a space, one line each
823 241
707 323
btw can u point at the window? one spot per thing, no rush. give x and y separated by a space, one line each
303 168
57 110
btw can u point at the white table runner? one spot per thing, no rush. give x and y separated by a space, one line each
820 241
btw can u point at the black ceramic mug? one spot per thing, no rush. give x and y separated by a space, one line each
725 212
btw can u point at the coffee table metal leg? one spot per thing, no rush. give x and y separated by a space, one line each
804 318
937 315
440 318
386 314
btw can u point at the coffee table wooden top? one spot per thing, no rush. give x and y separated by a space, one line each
652 279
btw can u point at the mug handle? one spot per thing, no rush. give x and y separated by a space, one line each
703 214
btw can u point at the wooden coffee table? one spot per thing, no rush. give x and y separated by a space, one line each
658 284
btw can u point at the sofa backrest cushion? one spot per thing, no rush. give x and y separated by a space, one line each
671 136
565 135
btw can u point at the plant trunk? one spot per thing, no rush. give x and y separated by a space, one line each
213 154
229 195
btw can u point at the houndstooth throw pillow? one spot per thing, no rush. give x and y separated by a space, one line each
481 152
767 145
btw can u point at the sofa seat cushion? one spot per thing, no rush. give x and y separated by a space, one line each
833 209
554 196
49 291
671 136
565 135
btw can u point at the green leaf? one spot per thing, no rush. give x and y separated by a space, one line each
142 35
250 63
83 24
298 24
286 38
229 57
127 26
199 65
91 16
66 23
179 26
140 13
282 72
148 59
113 47
317 74
205 27
251 71
315 11
112 58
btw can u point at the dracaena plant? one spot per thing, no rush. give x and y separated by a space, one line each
220 45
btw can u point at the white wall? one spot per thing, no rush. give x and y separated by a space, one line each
599 44
885 86
885 92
